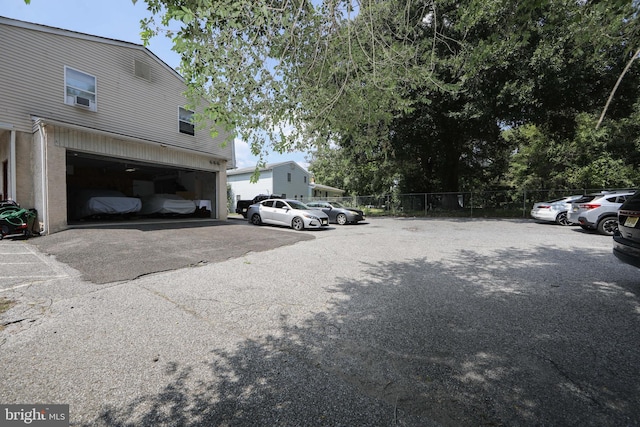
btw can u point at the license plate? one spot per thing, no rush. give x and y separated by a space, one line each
631 221
325 222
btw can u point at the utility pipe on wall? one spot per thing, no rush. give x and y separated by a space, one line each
45 189
12 165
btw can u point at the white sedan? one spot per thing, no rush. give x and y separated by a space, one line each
290 213
554 210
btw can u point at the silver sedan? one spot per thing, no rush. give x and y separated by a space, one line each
338 212
290 213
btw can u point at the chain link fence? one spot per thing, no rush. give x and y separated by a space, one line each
482 204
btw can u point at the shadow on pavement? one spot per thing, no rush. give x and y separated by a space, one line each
508 339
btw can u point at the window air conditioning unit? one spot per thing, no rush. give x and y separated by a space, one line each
85 102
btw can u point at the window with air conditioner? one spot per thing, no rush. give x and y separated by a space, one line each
80 89
185 119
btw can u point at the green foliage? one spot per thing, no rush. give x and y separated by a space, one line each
358 173
418 88
593 158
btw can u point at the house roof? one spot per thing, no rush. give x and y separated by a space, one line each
325 188
75 34
267 167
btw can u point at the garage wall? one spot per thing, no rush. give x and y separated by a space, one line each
152 153
25 169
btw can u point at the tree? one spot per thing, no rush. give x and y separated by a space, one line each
265 66
492 64
606 157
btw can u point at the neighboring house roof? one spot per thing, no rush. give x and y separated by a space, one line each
267 167
84 36
325 188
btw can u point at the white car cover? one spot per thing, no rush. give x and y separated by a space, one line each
167 204
103 202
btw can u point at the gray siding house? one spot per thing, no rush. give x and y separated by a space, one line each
287 179
80 111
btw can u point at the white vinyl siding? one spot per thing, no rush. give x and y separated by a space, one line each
241 185
32 64
118 148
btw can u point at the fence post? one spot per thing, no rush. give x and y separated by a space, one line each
524 203
471 202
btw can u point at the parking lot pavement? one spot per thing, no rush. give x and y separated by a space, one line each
22 265
415 322
125 251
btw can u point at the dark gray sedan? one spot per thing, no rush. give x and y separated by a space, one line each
337 212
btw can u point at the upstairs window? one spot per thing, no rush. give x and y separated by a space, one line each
185 118
288 176
80 89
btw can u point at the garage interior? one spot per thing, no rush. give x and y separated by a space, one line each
85 171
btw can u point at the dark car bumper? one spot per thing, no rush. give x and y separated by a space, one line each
357 218
626 250
583 221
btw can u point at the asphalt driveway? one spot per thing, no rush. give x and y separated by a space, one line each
414 322
124 251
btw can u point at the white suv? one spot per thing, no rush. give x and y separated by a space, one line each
599 211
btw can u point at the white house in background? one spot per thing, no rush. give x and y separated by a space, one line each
319 191
287 179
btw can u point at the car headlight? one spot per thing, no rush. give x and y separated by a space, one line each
311 216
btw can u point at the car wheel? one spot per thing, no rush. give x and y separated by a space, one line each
562 219
608 226
297 223
341 219
255 219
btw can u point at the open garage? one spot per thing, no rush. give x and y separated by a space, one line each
91 175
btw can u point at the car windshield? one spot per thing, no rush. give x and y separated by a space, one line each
297 205
337 205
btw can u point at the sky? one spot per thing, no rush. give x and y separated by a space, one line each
120 20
